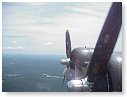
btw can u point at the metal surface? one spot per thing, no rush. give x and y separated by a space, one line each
78 85
114 66
115 69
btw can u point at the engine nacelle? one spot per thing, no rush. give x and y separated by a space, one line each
78 85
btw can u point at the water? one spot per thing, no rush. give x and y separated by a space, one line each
32 73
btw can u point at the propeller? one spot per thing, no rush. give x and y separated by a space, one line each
63 81
68 53
104 47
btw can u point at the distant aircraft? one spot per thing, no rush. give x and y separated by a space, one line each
98 69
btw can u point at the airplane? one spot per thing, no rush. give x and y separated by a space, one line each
96 69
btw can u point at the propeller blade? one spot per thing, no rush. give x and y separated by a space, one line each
106 42
68 44
65 70
64 75
63 81
68 53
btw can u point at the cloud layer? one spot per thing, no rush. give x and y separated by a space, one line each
43 25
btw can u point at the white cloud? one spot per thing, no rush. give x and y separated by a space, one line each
35 3
48 43
84 28
87 11
11 47
21 21
14 42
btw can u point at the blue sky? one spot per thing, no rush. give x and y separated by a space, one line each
39 28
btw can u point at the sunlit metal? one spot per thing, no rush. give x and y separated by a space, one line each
78 85
65 61
86 51
119 59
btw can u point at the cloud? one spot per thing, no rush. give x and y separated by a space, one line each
35 3
84 30
48 43
88 11
14 42
41 28
10 47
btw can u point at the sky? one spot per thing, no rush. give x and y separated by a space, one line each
39 28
